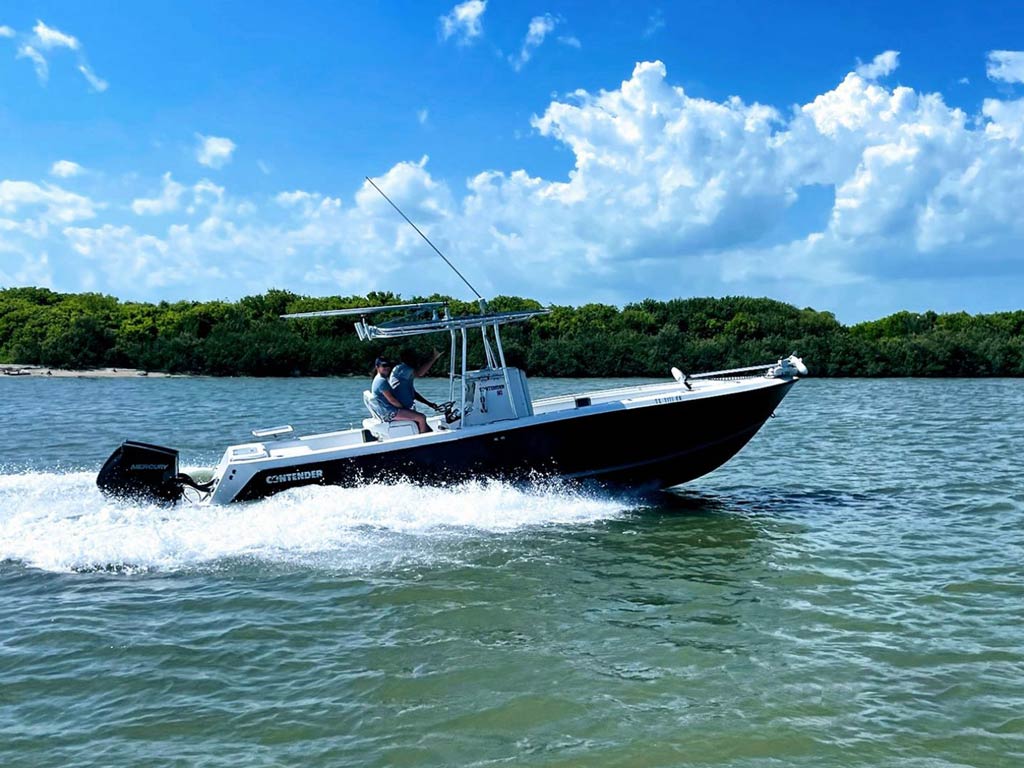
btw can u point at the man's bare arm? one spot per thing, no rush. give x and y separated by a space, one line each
422 370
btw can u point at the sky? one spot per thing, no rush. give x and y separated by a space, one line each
855 157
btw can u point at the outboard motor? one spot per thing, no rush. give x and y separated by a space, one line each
142 471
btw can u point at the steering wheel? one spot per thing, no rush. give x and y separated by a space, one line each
451 413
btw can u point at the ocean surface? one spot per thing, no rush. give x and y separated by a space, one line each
848 591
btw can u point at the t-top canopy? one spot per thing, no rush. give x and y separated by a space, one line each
399 328
363 311
415 326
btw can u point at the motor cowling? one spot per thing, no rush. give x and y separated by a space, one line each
141 471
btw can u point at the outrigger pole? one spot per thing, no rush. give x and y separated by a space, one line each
436 250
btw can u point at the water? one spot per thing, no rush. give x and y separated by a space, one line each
846 592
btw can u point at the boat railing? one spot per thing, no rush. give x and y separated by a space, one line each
730 374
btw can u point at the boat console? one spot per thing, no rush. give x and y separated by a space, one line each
495 395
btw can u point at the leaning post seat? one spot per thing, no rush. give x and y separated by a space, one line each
385 430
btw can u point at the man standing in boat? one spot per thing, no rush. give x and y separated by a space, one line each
384 402
403 377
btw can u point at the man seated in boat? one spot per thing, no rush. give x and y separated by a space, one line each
403 377
386 405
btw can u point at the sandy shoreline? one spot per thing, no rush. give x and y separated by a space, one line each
10 371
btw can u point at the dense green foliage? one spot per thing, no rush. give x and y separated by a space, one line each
247 337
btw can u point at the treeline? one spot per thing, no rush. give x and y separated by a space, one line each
248 338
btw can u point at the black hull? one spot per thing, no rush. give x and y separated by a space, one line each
652 447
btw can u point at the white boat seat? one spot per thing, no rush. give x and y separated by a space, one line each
367 399
386 430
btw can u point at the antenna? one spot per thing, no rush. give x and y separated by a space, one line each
474 290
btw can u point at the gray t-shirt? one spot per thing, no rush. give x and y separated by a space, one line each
401 380
379 404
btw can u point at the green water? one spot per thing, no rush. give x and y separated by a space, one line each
848 591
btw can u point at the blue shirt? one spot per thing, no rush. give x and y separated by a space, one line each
401 384
380 404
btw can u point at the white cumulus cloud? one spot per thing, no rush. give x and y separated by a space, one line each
168 200
214 151
206 192
98 83
539 28
51 202
130 260
65 169
34 270
464 22
42 68
290 199
49 38
1006 66
882 65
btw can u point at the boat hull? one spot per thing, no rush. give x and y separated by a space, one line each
656 446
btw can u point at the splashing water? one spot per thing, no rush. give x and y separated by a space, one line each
61 522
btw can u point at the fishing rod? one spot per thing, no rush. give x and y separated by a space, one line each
438 252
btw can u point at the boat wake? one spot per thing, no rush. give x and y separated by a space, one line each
60 522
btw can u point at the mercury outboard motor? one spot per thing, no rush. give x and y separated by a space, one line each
142 471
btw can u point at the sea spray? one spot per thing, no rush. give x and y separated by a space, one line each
60 522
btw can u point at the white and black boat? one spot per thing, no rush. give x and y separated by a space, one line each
651 436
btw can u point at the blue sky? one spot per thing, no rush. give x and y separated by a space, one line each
856 157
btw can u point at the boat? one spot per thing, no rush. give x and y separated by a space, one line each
643 437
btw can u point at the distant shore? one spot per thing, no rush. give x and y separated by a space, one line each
14 371
86 335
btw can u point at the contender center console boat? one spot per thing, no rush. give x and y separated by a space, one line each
652 436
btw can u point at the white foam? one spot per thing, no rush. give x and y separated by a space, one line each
61 522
